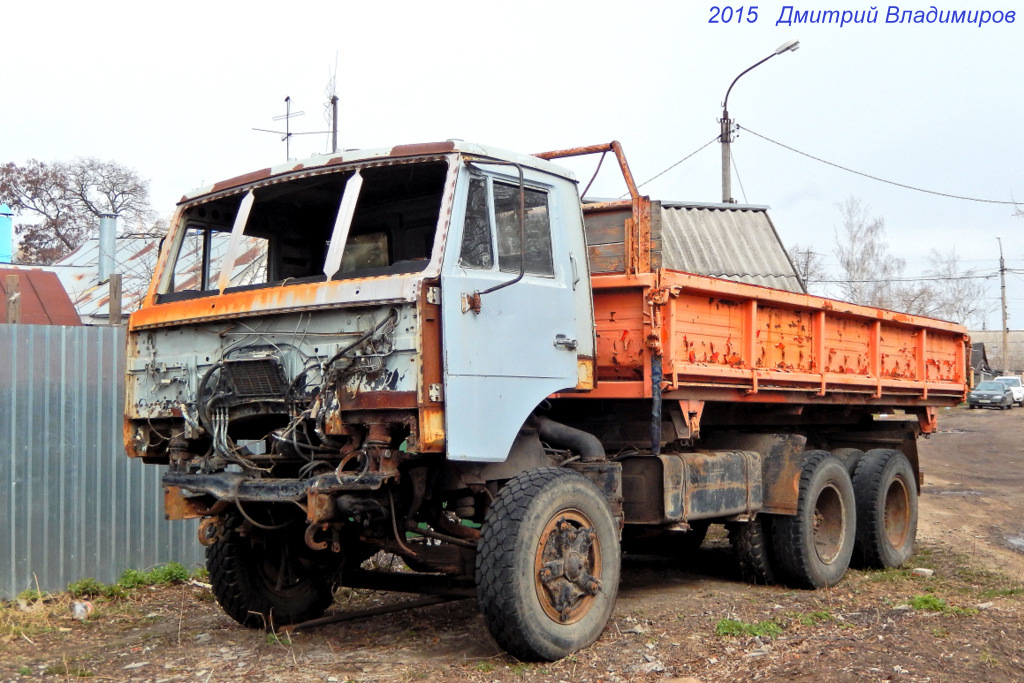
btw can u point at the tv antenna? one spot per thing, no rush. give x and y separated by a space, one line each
331 106
287 132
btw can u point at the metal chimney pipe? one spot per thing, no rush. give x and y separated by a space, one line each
6 234
108 242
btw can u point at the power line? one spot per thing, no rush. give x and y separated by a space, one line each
736 169
872 177
700 149
911 279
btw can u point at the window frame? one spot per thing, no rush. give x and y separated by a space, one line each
495 267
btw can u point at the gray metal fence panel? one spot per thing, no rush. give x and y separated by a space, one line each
72 504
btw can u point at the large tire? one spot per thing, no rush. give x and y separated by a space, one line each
849 457
547 534
267 578
691 541
752 543
886 494
813 548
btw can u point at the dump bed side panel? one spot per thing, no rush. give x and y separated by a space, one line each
723 340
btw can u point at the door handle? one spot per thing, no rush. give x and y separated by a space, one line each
563 342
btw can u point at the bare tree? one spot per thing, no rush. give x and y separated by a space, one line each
66 200
874 277
43 190
108 187
810 267
868 270
959 295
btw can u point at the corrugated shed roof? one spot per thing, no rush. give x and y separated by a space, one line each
43 299
135 259
733 242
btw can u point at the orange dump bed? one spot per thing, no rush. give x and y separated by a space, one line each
700 338
723 340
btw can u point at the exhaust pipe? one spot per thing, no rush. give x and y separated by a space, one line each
557 434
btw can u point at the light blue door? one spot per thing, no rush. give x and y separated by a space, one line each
519 347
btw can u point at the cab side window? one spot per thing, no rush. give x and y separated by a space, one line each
537 245
476 234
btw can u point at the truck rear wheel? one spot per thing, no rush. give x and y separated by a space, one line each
849 457
752 543
813 548
886 509
267 579
691 541
547 567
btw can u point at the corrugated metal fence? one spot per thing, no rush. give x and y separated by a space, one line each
72 504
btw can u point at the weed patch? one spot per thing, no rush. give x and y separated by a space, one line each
815 618
933 603
735 628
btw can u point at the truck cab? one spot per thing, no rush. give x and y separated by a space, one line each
266 280
344 355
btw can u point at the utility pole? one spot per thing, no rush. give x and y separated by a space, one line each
726 139
1002 288
725 136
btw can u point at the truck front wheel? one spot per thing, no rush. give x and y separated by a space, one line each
267 578
547 567
886 509
813 548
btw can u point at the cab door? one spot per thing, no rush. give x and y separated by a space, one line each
508 321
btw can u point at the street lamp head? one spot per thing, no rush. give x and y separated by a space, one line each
790 46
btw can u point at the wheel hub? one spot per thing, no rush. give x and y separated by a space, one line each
829 528
568 567
897 513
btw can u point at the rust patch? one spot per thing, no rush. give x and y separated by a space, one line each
422 148
319 507
178 506
128 435
242 180
378 400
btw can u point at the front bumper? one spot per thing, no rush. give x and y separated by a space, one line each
232 486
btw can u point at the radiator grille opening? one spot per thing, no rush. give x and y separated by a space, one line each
259 378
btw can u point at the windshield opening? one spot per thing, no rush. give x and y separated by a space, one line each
287 233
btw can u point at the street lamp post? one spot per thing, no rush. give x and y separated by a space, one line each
726 134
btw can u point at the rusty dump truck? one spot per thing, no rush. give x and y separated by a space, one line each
438 351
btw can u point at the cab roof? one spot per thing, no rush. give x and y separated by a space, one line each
350 156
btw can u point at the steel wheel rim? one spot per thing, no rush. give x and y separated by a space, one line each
897 513
282 573
829 524
567 566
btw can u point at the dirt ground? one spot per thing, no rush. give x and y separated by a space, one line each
963 623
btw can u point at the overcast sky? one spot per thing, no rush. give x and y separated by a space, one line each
175 93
